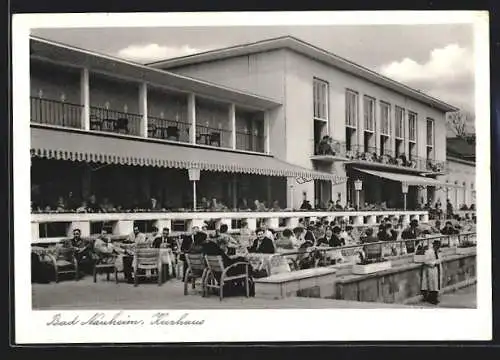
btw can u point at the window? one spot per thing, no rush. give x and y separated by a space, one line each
430 132
369 113
385 118
352 108
320 94
412 126
400 115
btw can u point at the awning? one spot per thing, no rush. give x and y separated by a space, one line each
109 149
407 179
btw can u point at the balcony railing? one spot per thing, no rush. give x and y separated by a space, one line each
373 154
115 121
52 112
168 129
206 135
249 142
122 224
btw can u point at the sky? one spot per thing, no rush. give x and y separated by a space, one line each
436 59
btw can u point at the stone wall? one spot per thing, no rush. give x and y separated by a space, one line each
403 282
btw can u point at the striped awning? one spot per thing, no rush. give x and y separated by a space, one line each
93 148
408 179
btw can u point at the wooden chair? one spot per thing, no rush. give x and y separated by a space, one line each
196 269
215 266
64 262
147 259
107 264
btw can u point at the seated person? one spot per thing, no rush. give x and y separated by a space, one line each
449 229
104 248
286 241
338 205
262 244
387 233
199 238
164 240
137 237
83 249
226 241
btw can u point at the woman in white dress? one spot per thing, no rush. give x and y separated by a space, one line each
431 274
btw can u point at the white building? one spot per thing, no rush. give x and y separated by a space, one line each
321 94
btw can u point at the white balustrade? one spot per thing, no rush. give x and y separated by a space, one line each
122 223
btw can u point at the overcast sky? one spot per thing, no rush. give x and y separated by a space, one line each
437 59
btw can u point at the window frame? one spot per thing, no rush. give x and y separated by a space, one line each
369 100
401 122
388 106
356 108
321 91
415 121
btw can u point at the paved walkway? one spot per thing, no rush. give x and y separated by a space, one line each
462 298
103 295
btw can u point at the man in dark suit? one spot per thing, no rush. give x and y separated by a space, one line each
165 239
262 244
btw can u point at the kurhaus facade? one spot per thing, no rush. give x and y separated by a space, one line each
386 134
126 132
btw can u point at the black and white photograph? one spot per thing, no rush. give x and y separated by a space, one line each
168 177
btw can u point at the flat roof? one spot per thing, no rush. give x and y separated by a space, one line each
311 51
47 50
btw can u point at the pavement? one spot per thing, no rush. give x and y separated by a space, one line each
104 295
462 298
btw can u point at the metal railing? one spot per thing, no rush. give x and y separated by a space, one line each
52 112
249 142
159 128
115 121
206 135
388 248
356 152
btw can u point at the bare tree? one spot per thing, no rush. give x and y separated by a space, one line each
461 123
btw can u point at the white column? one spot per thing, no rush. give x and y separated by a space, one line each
252 223
35 231
123 227
85 98
192 117
232 122
267 131
143 108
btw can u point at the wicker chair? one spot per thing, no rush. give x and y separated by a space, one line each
64 262
107 264
147 259
217 276
196 269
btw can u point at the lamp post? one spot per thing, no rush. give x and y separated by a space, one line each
194 176
404 189
358 186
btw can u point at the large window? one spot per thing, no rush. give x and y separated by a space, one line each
369 113
430 132
352 108
385 118
412 126
320 94
400 115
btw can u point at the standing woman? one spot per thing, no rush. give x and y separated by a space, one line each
431 274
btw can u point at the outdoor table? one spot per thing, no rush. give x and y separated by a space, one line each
271 263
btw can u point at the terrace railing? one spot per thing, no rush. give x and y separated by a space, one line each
373 154
52 112
115 121
62 224
249 142
159 128
206 135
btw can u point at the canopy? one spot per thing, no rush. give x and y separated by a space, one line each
110 149
407 179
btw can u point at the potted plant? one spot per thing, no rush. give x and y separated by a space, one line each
419 256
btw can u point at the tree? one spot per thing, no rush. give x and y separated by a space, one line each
461 123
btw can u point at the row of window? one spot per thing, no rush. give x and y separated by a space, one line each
321 96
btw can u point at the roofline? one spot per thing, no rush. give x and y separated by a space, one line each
311 51
270 102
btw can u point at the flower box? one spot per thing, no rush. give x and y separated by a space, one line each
359 269
465 250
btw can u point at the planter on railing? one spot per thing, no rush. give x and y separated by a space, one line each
371 267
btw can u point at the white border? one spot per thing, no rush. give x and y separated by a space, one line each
259 325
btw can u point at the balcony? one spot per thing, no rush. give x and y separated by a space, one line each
249 142
58 113
159 128
115 121
218 137
340 151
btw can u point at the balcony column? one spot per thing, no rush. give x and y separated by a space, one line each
143 108
85 98
232 122
267 131
191 113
